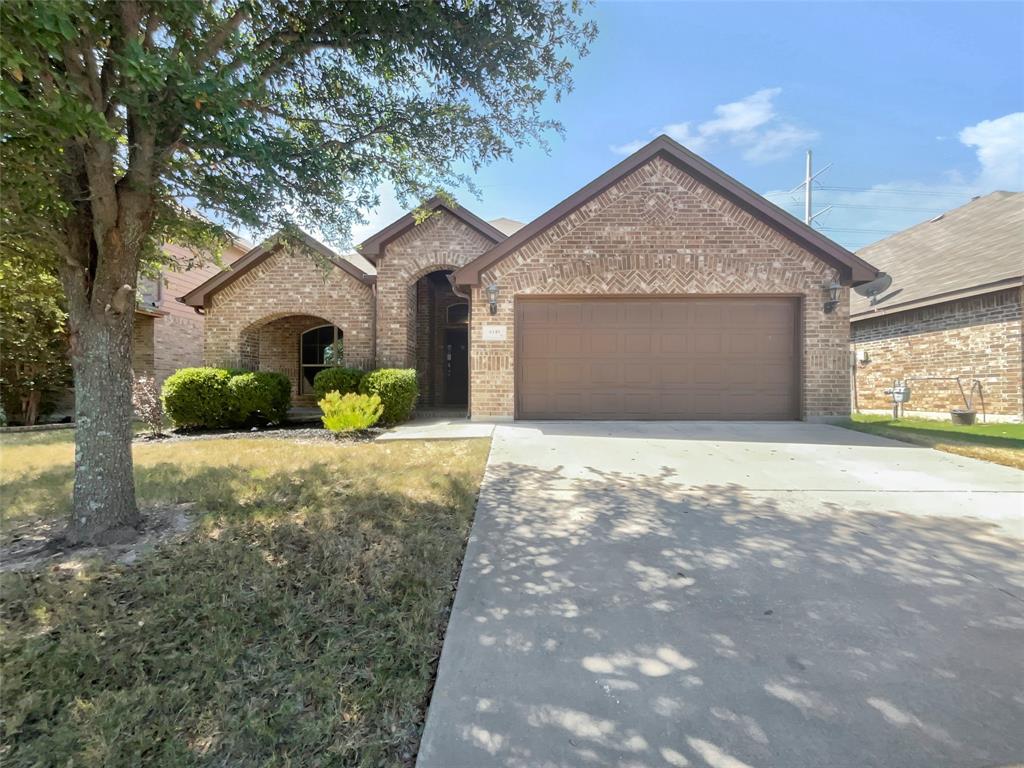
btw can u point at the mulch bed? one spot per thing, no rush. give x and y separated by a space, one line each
303 433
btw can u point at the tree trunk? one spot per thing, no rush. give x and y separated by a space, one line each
30 407
103 508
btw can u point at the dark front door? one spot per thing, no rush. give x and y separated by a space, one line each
456 366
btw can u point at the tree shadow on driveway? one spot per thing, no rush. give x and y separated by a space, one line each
614 619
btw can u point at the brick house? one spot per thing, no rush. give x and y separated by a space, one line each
167 334
953 309
662 289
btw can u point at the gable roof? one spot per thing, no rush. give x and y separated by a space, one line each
197 296
370 248
973 249
852 268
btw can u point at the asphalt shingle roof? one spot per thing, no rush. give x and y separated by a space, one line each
962 250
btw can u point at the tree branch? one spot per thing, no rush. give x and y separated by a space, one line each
216 41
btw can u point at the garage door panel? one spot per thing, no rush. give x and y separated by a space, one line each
656 358
566 342
672 342
604 313
604 342
743 342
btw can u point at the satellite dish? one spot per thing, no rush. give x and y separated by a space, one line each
875 287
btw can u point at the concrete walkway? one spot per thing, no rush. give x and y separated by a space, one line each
438 428
733 595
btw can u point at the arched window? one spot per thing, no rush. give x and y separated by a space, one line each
316 349
458 314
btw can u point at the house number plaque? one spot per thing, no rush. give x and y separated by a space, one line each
495 333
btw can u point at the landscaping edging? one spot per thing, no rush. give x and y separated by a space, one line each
38 428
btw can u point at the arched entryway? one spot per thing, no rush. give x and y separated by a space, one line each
299 346
440 337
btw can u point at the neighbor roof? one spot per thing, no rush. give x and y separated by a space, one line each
976 248
506 226
370 248
198 295
852 268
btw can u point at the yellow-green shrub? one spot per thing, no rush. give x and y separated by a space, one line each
351 412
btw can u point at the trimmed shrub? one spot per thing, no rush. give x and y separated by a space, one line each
339 379
197 397
216 397
350 412
397 389
259 393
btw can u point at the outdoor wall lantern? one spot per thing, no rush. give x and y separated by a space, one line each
832 292
492 298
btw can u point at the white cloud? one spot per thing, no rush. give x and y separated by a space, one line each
1000 150
744 115
896 205
751 123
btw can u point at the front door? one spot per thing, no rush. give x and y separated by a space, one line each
456 366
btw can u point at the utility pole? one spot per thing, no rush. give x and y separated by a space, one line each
808 178
808 185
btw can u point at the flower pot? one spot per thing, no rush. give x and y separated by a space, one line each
962 416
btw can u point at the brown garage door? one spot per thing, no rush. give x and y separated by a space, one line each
656 358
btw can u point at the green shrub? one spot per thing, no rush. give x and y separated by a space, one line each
217 397
345 413
397 390
341 380
197 397
259 393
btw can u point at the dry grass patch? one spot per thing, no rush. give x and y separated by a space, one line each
298 624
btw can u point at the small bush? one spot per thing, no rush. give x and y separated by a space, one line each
146 400
345 413
397 390
341 380
216 397
259 393
198 397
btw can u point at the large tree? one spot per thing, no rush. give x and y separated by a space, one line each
265 113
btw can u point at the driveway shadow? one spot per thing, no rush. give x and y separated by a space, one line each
620 620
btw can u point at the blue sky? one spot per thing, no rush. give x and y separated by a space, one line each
918 106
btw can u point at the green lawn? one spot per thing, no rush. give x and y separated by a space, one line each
999 443
297 625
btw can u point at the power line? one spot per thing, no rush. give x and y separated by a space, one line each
857 229
925 192
795 204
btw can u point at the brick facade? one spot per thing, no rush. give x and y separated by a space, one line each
442 242
142 345
977 338
659 231
655 231
255 321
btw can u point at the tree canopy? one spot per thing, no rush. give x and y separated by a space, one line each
268 113
118 115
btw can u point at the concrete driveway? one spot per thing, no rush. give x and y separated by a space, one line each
731 595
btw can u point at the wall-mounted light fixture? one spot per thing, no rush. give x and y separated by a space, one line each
832 292
492 298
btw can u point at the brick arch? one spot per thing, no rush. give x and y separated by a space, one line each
442 242
253 356
289 283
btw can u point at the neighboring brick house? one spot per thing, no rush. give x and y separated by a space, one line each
168 335
662 289
953 310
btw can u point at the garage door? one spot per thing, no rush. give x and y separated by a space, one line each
670 358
